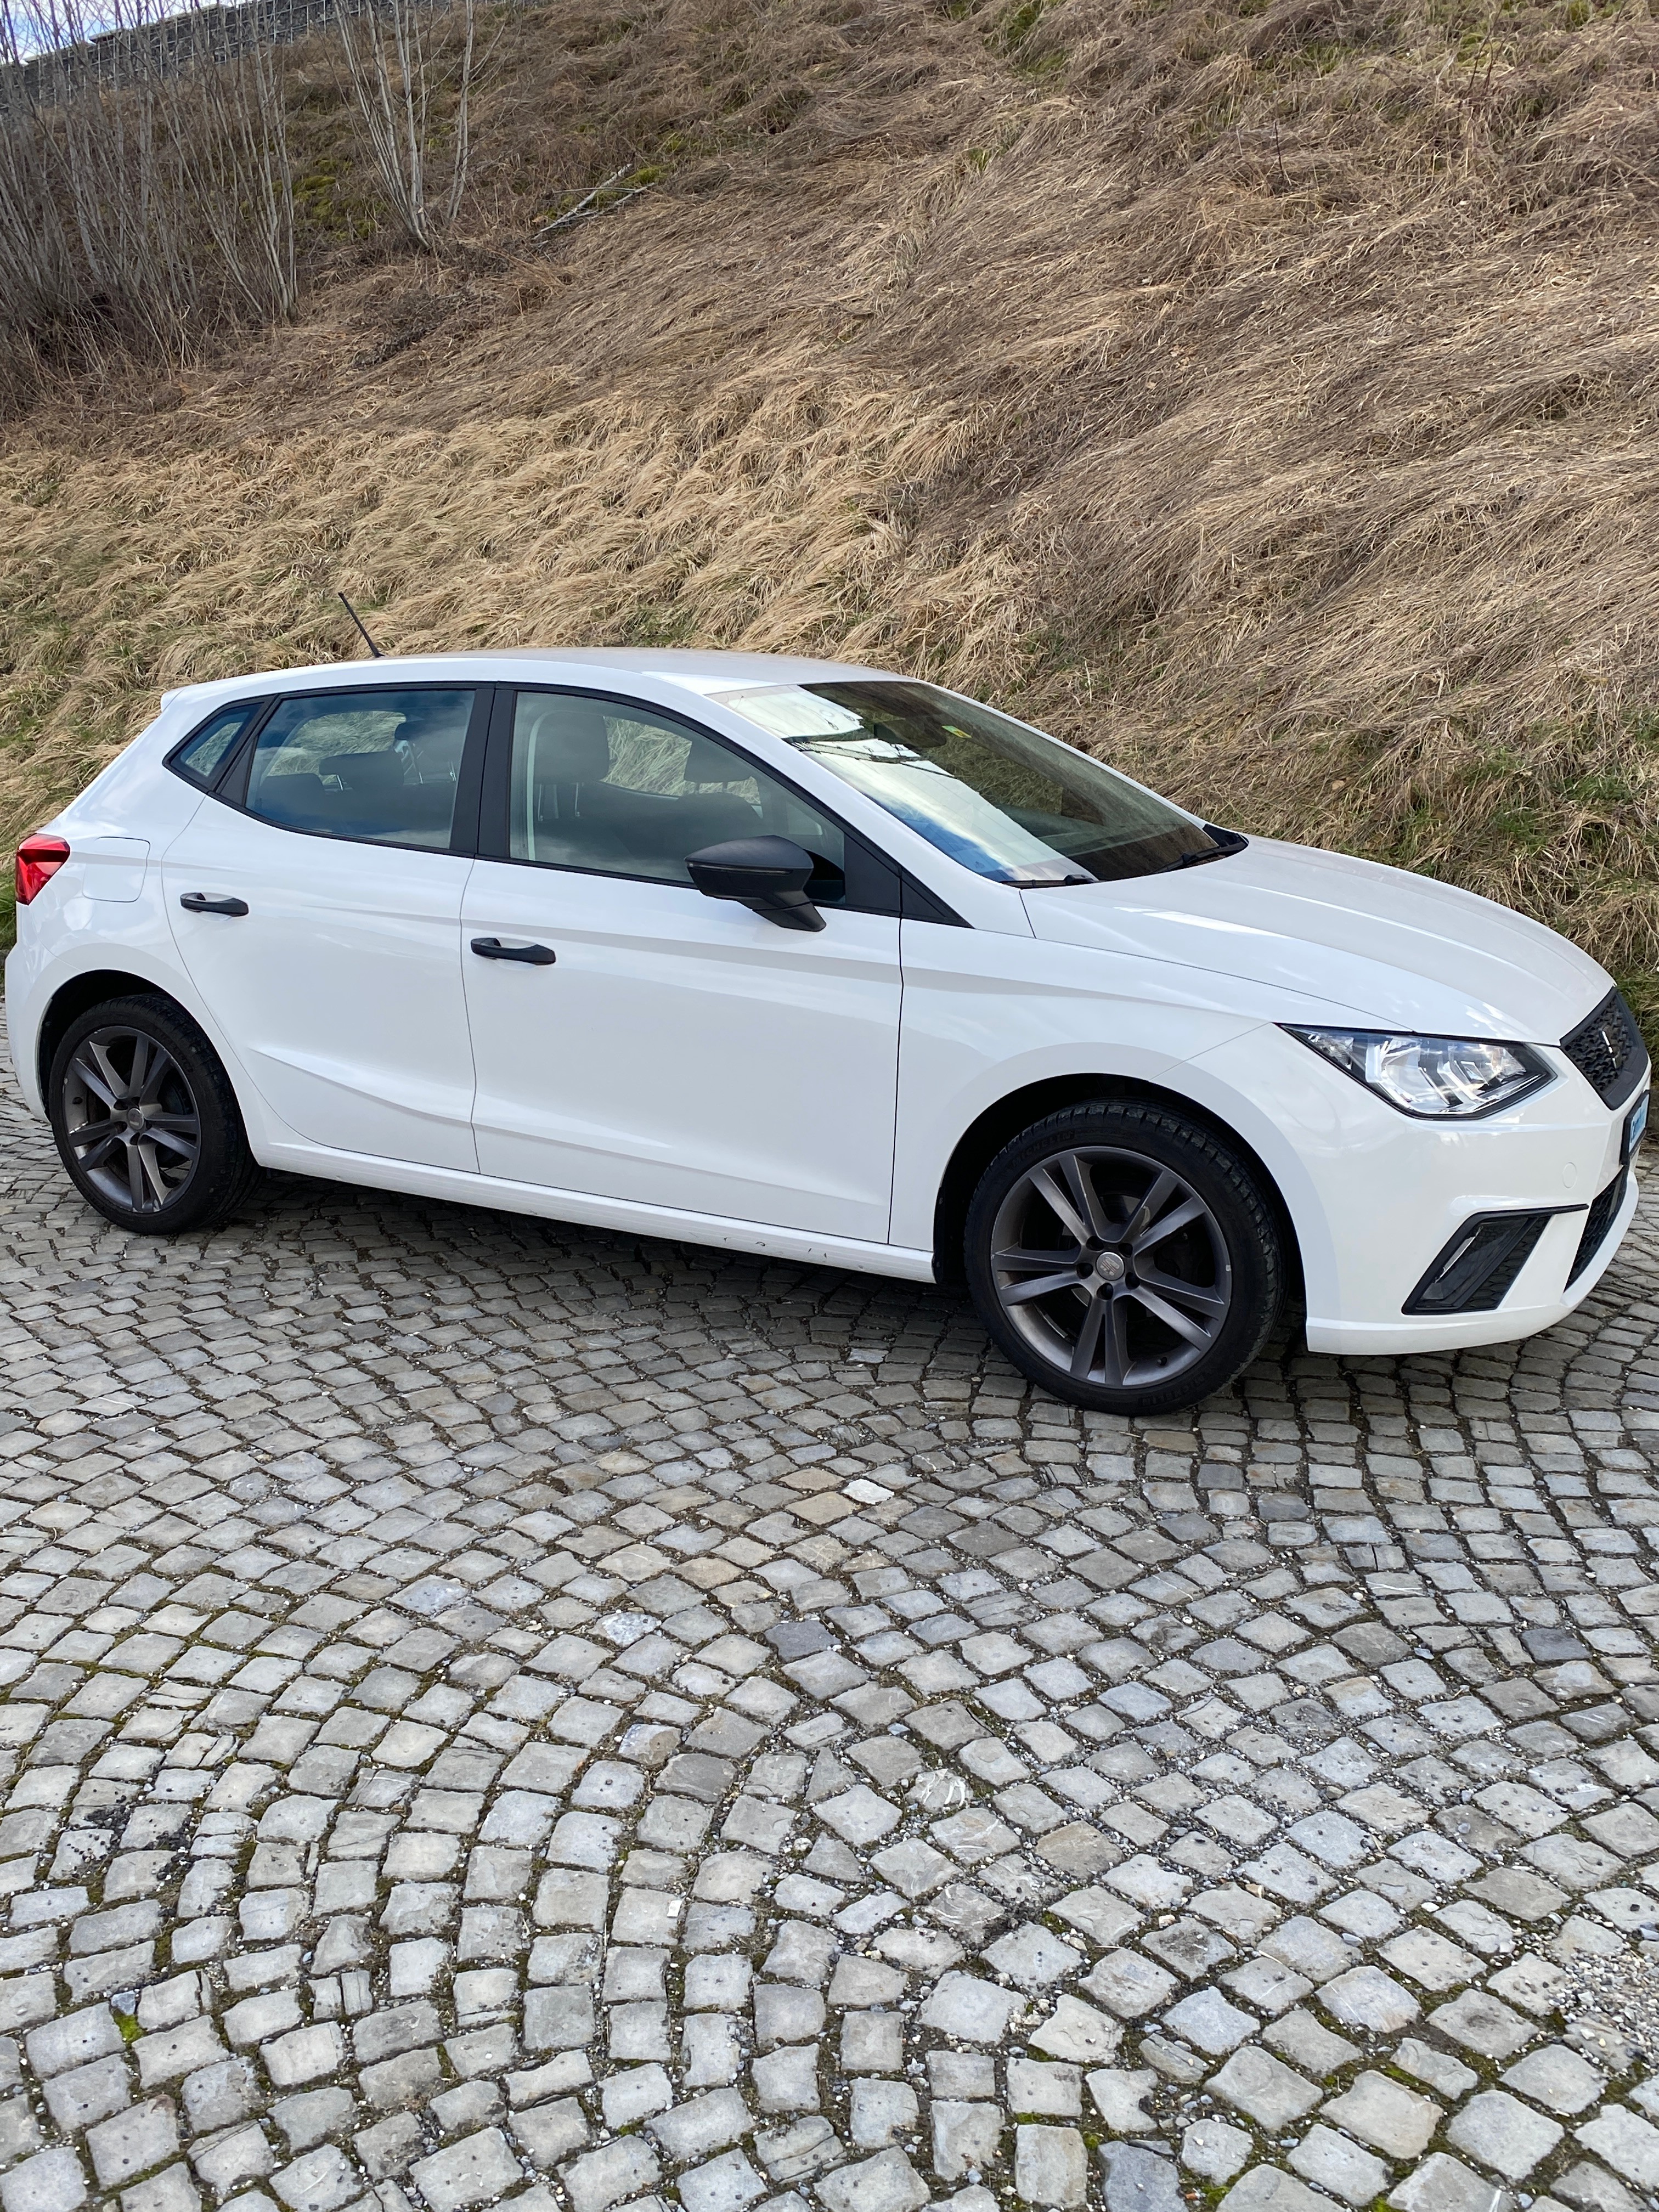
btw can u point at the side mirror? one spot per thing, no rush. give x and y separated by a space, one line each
768 875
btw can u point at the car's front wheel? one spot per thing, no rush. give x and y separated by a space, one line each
146 1121
1124 1256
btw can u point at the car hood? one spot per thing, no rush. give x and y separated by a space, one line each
1374 945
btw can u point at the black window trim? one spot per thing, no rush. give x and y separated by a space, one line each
261 703
229 787
912 900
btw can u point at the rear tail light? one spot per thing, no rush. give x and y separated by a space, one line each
39 859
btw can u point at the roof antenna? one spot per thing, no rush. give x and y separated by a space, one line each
375 651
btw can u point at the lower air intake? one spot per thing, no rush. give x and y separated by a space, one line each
1604 1212
1476 1270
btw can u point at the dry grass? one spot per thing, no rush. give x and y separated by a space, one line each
1264 395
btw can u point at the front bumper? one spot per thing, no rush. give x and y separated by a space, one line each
1375 1195
1539 1298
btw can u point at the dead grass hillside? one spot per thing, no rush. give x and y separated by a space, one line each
1265 395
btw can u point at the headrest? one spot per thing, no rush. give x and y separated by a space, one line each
707 763
375 772
567 741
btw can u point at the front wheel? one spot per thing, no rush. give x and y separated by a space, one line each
1124 1257
146 1121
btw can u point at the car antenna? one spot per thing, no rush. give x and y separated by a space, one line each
374 650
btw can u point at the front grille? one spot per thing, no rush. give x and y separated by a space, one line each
1603 1212
1475 1272
1608 1051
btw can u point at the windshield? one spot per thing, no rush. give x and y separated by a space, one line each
1005 801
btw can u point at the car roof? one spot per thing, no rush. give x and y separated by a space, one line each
697 670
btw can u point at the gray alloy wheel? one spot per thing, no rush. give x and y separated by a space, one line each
132 1119
1110 1267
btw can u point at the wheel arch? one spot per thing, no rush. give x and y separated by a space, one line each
1000 1123
78 996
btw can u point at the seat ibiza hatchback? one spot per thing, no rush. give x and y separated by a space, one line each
804 959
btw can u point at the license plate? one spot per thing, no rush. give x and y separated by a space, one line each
1635 1123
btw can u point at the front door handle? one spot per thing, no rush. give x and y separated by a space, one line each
199 902
533 955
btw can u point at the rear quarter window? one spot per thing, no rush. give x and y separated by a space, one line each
203 754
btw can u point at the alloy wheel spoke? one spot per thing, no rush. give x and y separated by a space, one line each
1017 1259
1083 1351
1182 1324
141 1057
179 1134
135 1178
160 1068
1115 1344
1040 1286
1204 1296
1080 1185
96 1080
152 1167
108 1071
1190 1209
1164 1187
1049 1187
93 1147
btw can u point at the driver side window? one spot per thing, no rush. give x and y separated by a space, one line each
605 785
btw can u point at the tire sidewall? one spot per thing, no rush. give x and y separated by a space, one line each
1227 1187
222 1167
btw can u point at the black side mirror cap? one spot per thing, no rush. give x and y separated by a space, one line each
768 875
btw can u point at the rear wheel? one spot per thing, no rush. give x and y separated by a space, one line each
146 1121
1124 1257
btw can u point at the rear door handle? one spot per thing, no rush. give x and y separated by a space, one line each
533 955
199 902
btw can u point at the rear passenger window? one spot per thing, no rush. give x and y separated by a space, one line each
201 756
376 766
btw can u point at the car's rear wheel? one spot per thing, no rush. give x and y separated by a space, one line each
1124 1256
146 1121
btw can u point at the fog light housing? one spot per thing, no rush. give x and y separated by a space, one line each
1474 1272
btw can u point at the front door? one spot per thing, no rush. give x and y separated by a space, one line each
317 906
677 1051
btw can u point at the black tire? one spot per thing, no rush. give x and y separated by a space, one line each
1173 1290
147 1124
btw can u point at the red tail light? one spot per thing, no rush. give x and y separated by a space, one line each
39 859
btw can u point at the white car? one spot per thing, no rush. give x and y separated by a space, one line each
809 960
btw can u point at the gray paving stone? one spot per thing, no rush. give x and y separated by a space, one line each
1503 2133
1330 2161
126 2144
1443 2184
965 2137
1557 2077
1270 2189
1213 2150
1630 2145
52 2181
1386 2114
1051 2165
886 2183
1138 2180
1260 2085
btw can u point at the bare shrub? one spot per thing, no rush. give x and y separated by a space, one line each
145 195
405 60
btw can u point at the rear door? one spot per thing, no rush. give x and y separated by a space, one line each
675 1050
316 901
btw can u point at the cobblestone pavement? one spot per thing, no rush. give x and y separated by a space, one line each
493 1712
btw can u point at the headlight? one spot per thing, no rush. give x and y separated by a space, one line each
1436 1078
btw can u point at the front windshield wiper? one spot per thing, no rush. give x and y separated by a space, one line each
1227 842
